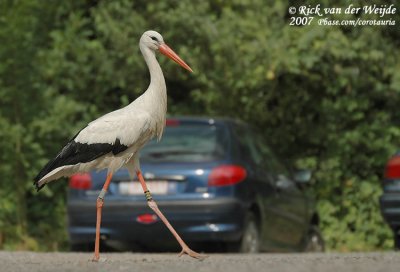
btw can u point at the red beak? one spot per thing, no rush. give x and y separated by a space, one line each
165 50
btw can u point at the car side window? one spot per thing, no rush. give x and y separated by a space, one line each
272 162
247 145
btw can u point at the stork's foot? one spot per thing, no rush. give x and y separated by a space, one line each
95 258
98 259
193 254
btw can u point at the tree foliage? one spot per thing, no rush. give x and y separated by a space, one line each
325 97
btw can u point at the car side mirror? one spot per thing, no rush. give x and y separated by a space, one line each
303 176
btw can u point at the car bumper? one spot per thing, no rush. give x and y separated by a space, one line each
219 219
390 208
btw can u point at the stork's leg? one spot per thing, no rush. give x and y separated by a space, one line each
152 204
99 207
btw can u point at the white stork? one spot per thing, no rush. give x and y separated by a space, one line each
114 140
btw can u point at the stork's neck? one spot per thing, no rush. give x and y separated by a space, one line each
157 90
156 74
155 97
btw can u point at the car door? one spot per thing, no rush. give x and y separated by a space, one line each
290 206
261 183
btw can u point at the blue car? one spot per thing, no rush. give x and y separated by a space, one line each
217 182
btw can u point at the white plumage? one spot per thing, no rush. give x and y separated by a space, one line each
132 125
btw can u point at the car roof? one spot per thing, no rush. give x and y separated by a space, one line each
206 120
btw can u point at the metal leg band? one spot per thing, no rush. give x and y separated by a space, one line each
102 194
148 195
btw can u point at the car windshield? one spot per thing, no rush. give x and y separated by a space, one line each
187 143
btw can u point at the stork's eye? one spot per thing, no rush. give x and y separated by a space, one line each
154 38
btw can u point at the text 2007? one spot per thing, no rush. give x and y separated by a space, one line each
297 21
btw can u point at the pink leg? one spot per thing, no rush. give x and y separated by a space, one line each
99 206
152 204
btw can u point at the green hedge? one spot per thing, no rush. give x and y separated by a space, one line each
325 97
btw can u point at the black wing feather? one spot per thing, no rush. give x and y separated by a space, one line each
75 152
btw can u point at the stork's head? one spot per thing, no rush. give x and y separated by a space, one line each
154 41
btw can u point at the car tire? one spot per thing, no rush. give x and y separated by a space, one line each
396 236
250 241
80 247
314 240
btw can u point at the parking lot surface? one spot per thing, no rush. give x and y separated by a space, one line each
30 262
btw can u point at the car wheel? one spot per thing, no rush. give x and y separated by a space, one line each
396 236
314 240
80 247
250 241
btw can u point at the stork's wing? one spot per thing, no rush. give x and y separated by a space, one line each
114 132
127 126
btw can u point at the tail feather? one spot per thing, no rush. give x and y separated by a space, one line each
46 169
74 153
37 186
56 162
50 166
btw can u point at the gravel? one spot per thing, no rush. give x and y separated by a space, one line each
30 262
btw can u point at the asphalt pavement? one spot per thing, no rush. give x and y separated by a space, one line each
329 262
